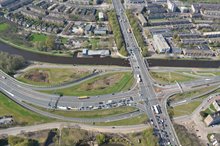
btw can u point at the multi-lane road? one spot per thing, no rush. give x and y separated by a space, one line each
166 134
144 91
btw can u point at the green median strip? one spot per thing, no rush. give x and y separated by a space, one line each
90 114
141 119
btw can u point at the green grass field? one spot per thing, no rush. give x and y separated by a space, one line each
3 26
170 77
55 76
190 94
21 115
38 37
105 84
186 109
131 121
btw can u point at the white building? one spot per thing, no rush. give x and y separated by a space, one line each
171 6
87 52
160 43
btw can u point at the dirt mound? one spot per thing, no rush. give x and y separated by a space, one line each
37 76
104 83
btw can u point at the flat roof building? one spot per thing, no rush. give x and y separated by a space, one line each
160 43
212 119
142 19
87 52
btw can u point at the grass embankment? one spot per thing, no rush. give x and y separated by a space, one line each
182 96
21 115
51 76
185 109
131 121
3 26
90 114
105 84
170 77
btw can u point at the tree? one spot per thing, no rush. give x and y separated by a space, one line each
50 42
100 138
145 52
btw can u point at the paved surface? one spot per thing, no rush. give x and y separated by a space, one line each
116 129
146 86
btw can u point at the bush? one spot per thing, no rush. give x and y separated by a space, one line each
100 138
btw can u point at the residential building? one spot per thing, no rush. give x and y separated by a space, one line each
80 2
101 16
171 6
212 34
31 14
55 20
134 1
142 19
212 119
4 3
160 44
216 104
100 31
200 51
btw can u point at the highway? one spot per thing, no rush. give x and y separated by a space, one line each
166 134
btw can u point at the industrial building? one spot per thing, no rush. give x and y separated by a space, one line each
160 44
102 53
212 119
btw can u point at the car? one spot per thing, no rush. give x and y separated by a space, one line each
3 77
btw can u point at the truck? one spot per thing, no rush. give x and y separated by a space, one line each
129 30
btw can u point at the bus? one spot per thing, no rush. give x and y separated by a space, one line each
83 97
156 109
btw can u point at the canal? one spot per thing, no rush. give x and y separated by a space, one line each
106 60
61 59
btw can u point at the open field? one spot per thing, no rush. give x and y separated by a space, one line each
51 76
21 115
186 109
3 26
185 137
131 121
91 114
170 77
37 37
147 138
105 84
190 94
95 43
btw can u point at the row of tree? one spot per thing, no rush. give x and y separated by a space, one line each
137 32
10 63
117 32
